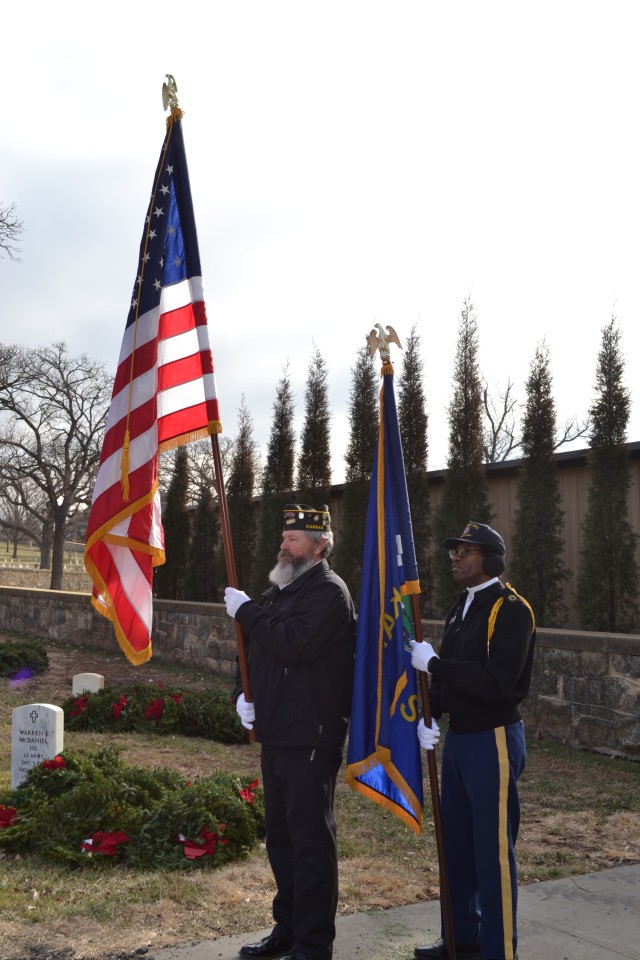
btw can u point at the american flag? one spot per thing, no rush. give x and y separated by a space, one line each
164 395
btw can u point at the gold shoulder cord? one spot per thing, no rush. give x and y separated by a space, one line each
494 613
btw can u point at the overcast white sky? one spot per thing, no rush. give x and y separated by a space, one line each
350 162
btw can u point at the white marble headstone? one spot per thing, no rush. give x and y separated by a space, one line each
37 734
87 683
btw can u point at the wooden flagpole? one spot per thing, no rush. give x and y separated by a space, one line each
435 795
227 542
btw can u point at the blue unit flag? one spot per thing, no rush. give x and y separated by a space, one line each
383 758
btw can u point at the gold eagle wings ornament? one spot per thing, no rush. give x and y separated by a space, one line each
170 93
379 340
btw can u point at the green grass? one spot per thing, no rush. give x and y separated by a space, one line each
34 892
563 779
30 555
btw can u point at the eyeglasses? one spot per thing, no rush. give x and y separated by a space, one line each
461 552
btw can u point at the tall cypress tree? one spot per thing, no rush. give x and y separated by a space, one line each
240 490
363 420
465 495
169 579
413 422
608 579
277 482
536 569
202 566
314 462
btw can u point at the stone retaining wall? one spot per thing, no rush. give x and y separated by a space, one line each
586 686
198 634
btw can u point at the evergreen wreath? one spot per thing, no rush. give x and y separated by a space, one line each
94 810
144 709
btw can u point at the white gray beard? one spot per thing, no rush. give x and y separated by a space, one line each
285 573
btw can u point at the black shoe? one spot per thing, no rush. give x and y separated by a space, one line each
267 947
439 949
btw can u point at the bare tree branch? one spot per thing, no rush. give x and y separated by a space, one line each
11 227
53 409
573 430
499 438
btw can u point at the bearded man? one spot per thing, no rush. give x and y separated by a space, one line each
301 644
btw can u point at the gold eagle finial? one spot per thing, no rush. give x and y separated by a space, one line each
379 340
170 93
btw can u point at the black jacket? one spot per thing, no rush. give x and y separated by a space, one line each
477 681
301 642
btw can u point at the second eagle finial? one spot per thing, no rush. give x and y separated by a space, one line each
379 340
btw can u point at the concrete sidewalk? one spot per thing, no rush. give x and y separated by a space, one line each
583 918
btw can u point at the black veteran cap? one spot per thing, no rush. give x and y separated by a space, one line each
299 516
481 535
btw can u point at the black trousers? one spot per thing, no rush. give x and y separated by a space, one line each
299 787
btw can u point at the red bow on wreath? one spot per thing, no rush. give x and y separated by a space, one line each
194 849
106 843
56 764
247 793
8 816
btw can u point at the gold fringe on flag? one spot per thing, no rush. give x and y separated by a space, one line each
214 426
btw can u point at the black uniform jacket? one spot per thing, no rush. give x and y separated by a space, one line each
477 681
301 641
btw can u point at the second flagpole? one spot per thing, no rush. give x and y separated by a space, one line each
435 793
227 542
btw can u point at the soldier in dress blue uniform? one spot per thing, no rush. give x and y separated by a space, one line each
482 674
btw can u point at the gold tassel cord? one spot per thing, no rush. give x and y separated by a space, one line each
124 467
175 115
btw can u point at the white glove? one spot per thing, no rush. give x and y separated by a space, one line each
421 653
246 712
234 599
428 738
